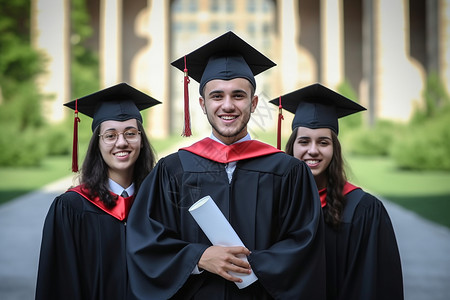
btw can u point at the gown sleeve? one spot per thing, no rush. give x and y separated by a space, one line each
373 260
58 274
159 261
294 266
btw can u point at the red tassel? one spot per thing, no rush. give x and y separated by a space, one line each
187 119
75 140
280 117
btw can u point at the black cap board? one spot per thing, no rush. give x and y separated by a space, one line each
226 57
120 102
316 106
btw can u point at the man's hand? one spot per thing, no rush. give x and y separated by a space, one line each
221 260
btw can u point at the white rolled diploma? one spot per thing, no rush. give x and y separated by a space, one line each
219 232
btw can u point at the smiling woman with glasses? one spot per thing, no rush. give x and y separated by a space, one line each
83 250
130 135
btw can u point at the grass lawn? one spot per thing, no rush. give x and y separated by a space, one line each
18 181
426 193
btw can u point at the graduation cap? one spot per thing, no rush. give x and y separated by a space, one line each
120 102
316 106
226 57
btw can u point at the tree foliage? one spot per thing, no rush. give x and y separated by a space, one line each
26 138
20 110
434 99
426 145
422 144
19 67
353 121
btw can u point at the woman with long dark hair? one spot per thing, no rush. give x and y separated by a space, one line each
362 257
83 253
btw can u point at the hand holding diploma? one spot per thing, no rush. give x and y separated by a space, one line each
219 231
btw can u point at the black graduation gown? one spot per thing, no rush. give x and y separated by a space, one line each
82 252
271 202
363 260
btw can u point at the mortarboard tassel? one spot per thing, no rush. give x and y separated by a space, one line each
280 117
187 120
75 140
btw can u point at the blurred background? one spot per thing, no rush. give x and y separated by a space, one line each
391 56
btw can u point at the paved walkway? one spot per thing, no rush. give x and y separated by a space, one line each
21 223
424 247
425 254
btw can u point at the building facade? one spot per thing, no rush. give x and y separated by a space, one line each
385 49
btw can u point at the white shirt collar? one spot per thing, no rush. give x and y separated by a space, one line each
118 189
245 138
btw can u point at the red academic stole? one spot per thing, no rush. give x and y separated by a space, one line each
348 187
221 153
120 211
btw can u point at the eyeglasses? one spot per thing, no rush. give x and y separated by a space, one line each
110 136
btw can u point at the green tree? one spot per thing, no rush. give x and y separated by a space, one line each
20 110
426 145
354 121
19 66
434 100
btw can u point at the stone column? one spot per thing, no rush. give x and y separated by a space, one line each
399 79
432 33
444 42
367 88
110 42
332 42
157 76
289 58
50 30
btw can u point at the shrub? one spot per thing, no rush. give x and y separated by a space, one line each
374 141
435 99
425 147
59 139
22 148
354 121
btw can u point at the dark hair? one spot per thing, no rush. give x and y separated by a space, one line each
94 171
336 179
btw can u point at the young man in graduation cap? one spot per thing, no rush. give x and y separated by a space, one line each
363 261
83 243
269 198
